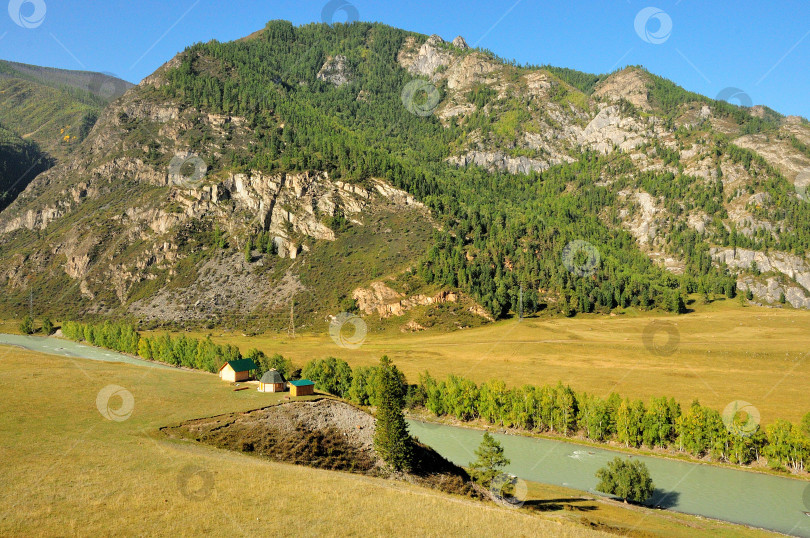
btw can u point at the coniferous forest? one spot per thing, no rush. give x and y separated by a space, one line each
499 232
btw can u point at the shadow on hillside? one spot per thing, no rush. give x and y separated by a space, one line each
568 503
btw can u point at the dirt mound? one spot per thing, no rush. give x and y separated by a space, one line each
327 434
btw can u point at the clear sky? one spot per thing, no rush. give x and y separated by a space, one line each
760 47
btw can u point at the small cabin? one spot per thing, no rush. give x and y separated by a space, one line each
302 387
237 370
272 381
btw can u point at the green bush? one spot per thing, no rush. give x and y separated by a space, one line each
628 480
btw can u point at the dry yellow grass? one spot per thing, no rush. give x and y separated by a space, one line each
69 471
725 353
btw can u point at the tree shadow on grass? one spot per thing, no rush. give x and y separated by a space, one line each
567 503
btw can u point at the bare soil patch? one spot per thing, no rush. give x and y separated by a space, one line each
324 433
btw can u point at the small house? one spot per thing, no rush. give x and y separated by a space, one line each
272 381
237 370
302 387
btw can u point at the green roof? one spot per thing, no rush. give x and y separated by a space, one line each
272 376
302 383
242 365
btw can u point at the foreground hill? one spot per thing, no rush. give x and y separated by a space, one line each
361 167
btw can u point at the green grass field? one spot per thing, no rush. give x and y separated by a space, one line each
725 353
68 470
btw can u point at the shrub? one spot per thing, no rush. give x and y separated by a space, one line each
628 480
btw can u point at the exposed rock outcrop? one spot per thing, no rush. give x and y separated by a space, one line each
498 160
379 299
772 290
793 267
335 71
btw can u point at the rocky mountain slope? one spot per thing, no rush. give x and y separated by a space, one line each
363 168
54 108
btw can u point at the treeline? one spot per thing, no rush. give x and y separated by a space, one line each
661 423
178 351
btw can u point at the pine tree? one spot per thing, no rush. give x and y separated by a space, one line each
490 461
391 438
27 325
47 326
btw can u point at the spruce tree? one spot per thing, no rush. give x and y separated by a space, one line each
490 461
391 438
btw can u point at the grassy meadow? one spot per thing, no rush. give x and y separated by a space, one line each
68 470
724 352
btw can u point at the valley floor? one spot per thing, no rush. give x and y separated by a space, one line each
721 352
69 470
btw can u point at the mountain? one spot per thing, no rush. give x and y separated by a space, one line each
416 181
56 108
20 162
44 114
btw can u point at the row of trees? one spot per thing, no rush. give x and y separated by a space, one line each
202 354
661 423
28 325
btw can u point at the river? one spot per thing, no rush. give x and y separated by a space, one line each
760 500
68 348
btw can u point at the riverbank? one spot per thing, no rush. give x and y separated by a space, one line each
754 499
668 454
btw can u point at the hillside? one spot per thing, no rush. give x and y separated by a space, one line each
55 108
365 168
20 162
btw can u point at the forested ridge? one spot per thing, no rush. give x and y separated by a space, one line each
500 232
502 238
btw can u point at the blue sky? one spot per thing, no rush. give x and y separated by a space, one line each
762 48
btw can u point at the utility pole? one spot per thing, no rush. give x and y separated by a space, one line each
291 329
520 311
31 303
